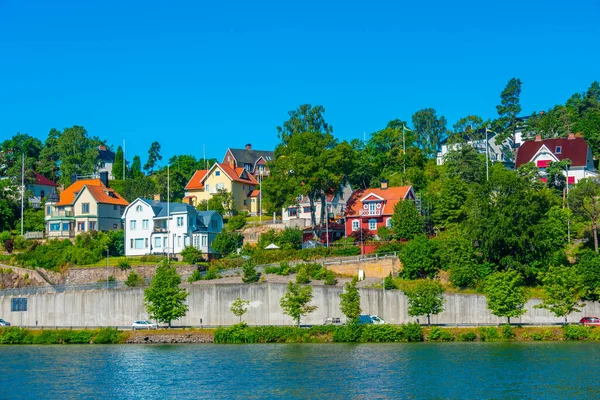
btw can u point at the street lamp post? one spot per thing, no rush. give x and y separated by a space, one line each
107 267
327 223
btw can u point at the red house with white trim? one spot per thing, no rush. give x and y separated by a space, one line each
373 208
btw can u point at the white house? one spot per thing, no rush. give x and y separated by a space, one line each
299 213
497 152
543 152
153 227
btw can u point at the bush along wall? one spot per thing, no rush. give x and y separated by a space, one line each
16 335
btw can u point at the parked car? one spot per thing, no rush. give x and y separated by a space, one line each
590 321
333 321
143 325
370 319
4 323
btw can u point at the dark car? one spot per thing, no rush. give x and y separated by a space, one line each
4 323
590 321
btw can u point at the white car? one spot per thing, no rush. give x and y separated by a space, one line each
143 325
4 323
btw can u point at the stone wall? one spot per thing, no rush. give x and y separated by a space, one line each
209 305
91 275
373 268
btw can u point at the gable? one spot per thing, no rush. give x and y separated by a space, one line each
371 197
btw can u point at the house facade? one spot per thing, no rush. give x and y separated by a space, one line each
106 159
86 205
253 161
543 152
41 189
156 227
237 181
299 214
371 209
497 152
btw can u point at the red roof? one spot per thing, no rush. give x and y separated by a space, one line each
42 180
390 196
196 181
575 149
101 193
254 193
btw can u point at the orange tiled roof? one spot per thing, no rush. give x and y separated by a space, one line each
196 182
391 196
254 193
235 174
96 188
107 196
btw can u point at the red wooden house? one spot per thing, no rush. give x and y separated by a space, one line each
373 208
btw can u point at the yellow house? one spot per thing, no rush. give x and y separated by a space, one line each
237 181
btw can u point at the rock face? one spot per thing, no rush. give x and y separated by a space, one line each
174 337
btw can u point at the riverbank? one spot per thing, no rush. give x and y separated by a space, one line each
242 333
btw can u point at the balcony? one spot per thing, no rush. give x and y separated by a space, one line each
160 229
369 213
61 234
60 214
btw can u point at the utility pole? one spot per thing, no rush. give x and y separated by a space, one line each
327 222
124 159
168 211
260 179
205 167
487 172
22 188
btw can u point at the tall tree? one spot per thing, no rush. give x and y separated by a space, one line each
425 297
585 201
429 130
563 290
164 299
49 157
350 301
135 171
406 221
467 129
78 153
295 301
153 157
11 152
117 168
506 295
508 113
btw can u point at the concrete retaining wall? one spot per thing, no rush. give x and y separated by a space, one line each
211 303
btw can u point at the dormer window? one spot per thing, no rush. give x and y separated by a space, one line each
138 208
558 150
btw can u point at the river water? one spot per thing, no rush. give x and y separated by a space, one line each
342 371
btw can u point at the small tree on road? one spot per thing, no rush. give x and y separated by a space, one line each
506 295
239 307
425 298
164 299
350 301
563 289
295 301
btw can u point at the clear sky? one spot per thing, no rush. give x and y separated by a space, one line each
225 73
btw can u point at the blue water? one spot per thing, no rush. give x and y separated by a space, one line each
316 371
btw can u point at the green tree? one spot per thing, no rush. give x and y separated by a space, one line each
239 307
134 279
8 205
563 291
49 157
135 172
222 202
457 255
11 152
508 112
227 242
132 189
505 293
33 220
388 282
429 129
77 152
191 255
302 276
153 157
164 299
350 301
585 201
588 269
450 202
467 129
249 272
419 259
465 164
406 221
295 301
425 297
117 167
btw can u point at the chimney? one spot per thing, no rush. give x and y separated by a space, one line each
73 178
538 138
249 146
104 178
102 147
571 136
156 197
384 184
541 113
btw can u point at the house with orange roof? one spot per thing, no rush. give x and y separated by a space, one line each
223 177
371 209
86 205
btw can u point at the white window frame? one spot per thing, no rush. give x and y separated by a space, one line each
372 224
388 222
179 221
133 225
145 224
355 225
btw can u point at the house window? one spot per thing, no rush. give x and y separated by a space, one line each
122 209
131 243
48 210
214 224
372 224
81 226
179 241
85 208
248 167
245 202
139 243
165 241
388 222
204 241
138 208
42 194
558 150
65 226
207 187
132 225
217 173
146 242
372 208
114 226
191 221
355 224
220 186
157 242
92 225
243 186
55 227
145 224
179 221
571 180
292 212
115 208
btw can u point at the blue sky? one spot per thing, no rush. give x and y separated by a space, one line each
226 73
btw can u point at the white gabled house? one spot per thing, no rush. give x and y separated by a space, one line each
155 227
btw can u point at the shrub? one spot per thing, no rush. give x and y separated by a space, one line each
575 332
112 279
107 336
12 335
330 278
196 276
384 233
250 274
438 334
124 264
508 332
469 336
191 255
236 222
302 276
388 282
536 336
488 334
594 334
134 279
212 273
